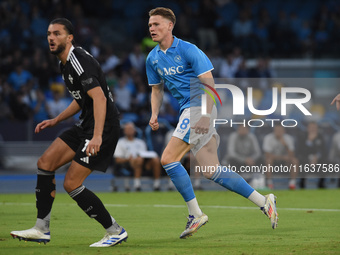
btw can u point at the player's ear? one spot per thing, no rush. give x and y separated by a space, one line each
70 38
171 26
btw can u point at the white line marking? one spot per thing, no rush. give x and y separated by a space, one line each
183 206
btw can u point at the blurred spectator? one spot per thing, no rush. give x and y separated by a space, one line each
57 103
237 56
131 153
123 94
305 39
215 56
243 148
242 70
95 48
279 150
140 102
334 152
294 23
321 37
112 61
5 91
207 37
262 36
137 59
19 77
242 31
40 69
228 67
262 72
283 35
39 106
311 150
19 106
250 26
169 109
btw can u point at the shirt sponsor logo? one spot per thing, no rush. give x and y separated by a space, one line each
75 94
173 70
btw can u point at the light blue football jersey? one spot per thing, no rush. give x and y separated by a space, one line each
178 67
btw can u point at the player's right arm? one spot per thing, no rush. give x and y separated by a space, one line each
156 103
336 100
71 110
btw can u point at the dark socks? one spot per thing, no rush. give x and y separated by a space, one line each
45 193
92 206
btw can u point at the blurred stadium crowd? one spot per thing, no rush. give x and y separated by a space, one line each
116 33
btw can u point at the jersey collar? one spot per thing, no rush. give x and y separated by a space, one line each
69 53
173 45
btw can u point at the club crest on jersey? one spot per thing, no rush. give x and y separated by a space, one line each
70 78
178 58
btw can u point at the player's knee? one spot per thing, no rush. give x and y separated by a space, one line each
70 185
165 160
44 163
208 174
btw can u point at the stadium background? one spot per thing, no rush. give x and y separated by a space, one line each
272 38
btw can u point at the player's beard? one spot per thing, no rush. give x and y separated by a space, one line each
61 47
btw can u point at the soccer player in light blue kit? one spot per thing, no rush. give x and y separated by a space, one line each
175 63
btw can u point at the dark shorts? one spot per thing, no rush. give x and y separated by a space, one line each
76 138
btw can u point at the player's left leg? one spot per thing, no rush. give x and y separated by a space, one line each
173 153
207 156
57 154
92 205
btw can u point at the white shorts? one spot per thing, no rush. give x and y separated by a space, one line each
188 119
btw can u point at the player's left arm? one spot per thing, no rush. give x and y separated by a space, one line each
99 112
202 125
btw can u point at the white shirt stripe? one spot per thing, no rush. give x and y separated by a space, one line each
81 68
76 65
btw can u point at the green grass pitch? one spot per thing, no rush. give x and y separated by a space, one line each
154 222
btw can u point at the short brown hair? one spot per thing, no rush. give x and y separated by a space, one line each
164 12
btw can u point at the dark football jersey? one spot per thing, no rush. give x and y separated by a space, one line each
81 73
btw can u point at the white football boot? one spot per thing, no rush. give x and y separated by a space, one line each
269 209
111 239
193 225
32 235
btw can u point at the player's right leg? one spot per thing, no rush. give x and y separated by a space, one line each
58 154
170 160
207 156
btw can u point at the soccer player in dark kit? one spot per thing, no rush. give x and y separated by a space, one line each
89 145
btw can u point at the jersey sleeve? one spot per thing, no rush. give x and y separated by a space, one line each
199 62
88 70
151 73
